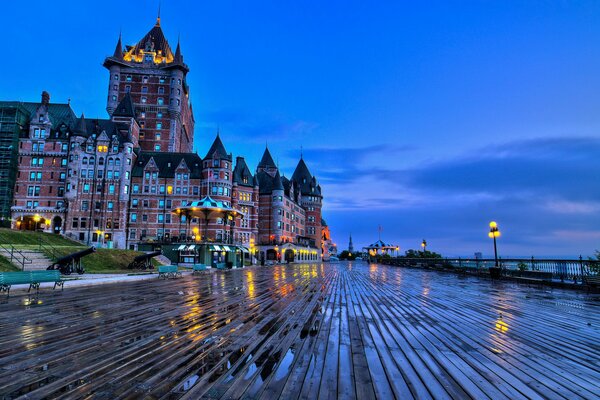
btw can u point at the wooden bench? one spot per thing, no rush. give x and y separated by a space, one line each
196 268
33 278
221 265
168 271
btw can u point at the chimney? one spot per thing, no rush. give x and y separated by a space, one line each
45 97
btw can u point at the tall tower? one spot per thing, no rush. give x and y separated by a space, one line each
155 77
350 245
311 200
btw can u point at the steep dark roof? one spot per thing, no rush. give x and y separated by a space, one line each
307 183
217 149
167 163
178 57
156 38
97 126
118 54
268 183
126 108
80 128
267 160
242 171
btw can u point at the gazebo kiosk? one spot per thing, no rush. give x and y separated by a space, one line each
205 249
380 248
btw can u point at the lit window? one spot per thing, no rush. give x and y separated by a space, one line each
102 149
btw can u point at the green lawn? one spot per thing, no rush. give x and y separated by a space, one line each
6 266
9 236
102 261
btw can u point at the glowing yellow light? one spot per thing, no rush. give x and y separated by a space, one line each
37 218
501 326
170 189
102 149
47 222
493 224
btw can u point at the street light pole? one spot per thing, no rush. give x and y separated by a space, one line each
424 246
494 233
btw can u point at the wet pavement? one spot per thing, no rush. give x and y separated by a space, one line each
302 331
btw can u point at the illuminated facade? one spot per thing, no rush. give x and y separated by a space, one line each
131 180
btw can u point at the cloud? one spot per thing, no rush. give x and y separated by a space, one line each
543 192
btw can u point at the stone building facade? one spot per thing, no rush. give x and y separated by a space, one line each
120 182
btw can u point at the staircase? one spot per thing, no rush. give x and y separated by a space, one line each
38 260
25 259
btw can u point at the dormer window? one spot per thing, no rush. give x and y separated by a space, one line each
41 118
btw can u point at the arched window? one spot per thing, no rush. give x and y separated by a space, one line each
110 161
92 160
101 161
117 162
84 160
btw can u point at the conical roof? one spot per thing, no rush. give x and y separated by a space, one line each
306 182
178 57
126 108
277 183
217 150
118 54
267 160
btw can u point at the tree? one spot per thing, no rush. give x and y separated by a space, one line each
346 255
421 254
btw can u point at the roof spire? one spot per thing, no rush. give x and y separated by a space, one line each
178 57
301 152
158 16
118 49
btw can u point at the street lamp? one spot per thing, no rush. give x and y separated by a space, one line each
37 218
494 233
424 245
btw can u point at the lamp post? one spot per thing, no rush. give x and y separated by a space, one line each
36 218
424 246
494 233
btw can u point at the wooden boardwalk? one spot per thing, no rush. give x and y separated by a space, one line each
337 331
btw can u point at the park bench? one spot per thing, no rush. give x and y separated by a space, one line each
168 271
196 268
221 265
33 278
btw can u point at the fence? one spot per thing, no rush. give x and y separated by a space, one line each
559 269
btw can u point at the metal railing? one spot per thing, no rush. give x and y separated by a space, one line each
15 254
47 249
556 269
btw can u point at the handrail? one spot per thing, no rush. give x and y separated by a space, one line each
48 248
24 260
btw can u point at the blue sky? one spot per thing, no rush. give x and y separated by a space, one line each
430 119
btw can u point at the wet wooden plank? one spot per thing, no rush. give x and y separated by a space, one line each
302 331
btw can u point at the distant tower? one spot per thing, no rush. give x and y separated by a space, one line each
350 245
